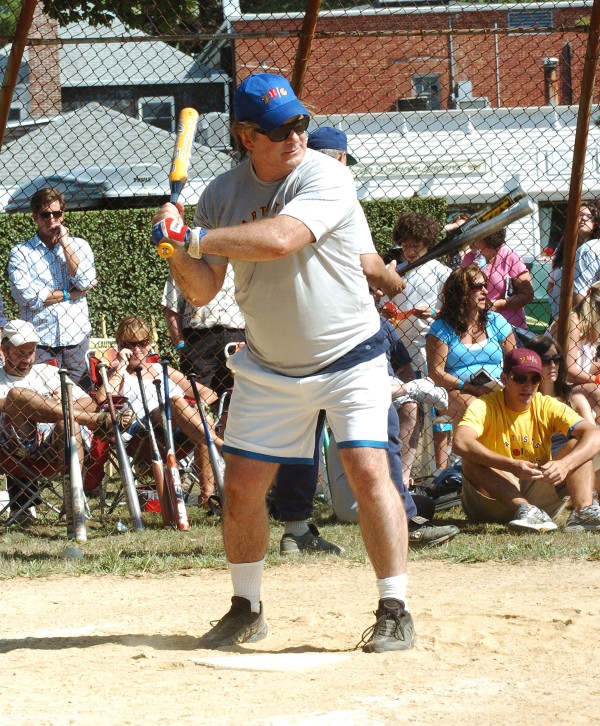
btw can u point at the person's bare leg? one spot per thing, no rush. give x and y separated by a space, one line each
493 484
245 516
187 418
408 416
580 483
382 517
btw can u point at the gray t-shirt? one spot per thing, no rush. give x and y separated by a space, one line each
304 311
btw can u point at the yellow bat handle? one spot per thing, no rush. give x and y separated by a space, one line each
186 132
165 249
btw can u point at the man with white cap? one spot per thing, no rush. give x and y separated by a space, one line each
289 222
31 420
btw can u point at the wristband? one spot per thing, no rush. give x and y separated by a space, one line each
66 296
597 379
432 313
180 346
192 246
460 385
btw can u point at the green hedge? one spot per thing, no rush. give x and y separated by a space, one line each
130 274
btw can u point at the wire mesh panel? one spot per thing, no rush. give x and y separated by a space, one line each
444 108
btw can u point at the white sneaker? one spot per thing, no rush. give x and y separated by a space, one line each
530 518
423 390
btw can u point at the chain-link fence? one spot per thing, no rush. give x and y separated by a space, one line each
452 103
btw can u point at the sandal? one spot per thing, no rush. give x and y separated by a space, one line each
104 426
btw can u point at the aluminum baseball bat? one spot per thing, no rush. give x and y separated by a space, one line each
213 454
492 211
125 471
79 526
172 476
157 465
67 492
456 242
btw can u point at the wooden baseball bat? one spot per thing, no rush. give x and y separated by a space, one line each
455 242
125 471
67 493
186 132
213 454
79 527
172 478
157 465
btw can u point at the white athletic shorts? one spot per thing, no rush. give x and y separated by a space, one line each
273 417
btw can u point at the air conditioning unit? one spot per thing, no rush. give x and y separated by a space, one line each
479 102
412 104
213 130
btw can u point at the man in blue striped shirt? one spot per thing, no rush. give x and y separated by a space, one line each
50 277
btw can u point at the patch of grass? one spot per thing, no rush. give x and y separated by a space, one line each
36 551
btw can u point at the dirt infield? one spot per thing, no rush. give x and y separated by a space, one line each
497 643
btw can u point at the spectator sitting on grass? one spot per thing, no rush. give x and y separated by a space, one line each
505 441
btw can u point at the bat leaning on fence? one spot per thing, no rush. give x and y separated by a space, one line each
213 454
172 477
457 239
76 528
76 480
158 473
125 471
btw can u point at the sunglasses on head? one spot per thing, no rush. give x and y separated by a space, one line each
556 358
478 286
47 214
131 344
281 133
521 378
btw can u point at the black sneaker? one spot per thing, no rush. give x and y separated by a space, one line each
293 544
394 629
421 533
239 625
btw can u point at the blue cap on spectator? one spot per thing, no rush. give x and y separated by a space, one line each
266 99
327 137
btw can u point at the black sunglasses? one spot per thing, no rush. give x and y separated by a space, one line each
556 358
47 214
479 286
281 133
131 344
521 378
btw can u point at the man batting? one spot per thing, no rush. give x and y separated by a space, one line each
289 222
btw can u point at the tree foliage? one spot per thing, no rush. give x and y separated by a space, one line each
154 18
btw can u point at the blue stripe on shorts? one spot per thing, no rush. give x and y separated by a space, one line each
358 443
265 457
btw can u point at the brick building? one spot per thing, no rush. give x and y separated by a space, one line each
427 70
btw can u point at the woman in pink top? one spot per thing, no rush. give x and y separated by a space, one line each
509 281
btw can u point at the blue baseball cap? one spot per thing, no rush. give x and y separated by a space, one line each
326 137
266 99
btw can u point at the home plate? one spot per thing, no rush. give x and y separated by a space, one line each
271 661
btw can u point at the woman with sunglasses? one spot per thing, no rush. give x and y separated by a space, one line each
134 341
509 281
464 338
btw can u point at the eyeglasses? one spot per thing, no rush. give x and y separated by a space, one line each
521 378
281 133
47 214
556 358
131 344
479 286
412 245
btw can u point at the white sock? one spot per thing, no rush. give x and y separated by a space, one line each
246 578
394 587
298 528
